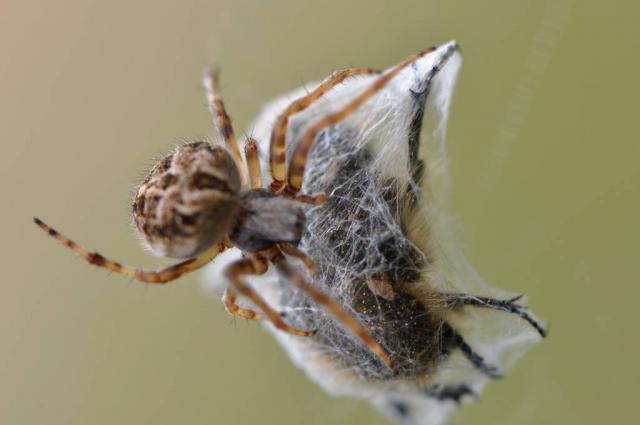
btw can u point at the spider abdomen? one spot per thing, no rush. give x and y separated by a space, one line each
188 201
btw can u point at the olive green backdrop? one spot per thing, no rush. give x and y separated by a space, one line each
543 149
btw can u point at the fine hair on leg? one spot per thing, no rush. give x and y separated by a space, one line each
148 276
252 155
221 120
253 266
303 147
277 166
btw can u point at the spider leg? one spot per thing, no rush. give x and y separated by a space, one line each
293 251
277 148
318 199
334 307
221 119
230 294
160 276
229 299
249 266
508 306
253 162
299 159
453 338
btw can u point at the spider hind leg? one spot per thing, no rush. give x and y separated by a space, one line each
277 148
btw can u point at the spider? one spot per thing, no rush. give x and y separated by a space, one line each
203 199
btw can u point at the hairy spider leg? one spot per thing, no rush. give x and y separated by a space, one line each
253 163
229 299
301 152
277 154
149 276
221 119
334 307
253 266
293 251
231 295
456 340
318 199
251 153
508 306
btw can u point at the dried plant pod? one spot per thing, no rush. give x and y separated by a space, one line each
383 248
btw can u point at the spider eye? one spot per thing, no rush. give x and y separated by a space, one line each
188 201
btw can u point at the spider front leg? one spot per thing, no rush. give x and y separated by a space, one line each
253 163
303 148
148 276
221 119
277 152
333 306
253 266
252 155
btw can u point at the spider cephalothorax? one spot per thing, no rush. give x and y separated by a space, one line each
264 219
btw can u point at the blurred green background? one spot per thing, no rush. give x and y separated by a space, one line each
543 149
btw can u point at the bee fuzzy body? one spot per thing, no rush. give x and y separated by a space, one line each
365 259
373 266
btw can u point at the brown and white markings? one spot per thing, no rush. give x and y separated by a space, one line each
363 249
